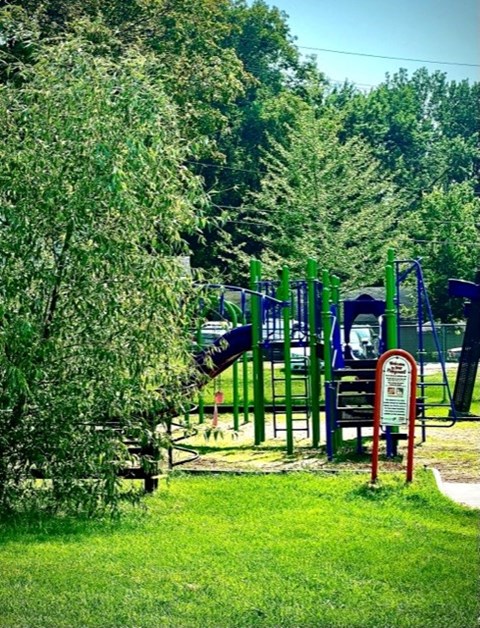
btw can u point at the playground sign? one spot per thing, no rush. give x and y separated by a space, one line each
395 390
395 401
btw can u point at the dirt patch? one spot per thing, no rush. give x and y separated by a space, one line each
453 451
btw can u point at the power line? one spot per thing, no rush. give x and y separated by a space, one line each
444 242
245 209
365 54
329 81
223 167
339 82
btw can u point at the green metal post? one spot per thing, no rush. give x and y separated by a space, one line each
327 350
258 398
287 314
390 314
327 326
335 290
233 315
314 370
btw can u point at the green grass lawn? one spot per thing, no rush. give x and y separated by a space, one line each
297 551
438 394
224 382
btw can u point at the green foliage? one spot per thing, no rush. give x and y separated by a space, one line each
200 73
425 133
423 129
325 199
94 308
19 36
261 38
446 235
276 80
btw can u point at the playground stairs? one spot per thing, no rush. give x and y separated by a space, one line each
300 401
355 393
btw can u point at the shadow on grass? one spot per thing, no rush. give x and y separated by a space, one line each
422 495
37 525
348 453
375 492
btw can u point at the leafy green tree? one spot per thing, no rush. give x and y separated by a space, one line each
327 199
277 85
423 129
425 132
202 75
445 233
95 310
227 65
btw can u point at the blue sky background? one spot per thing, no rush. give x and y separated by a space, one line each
444 30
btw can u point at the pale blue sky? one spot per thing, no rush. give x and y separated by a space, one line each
444 30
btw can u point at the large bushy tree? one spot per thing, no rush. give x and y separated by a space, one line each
445 233
325 199
423 129
94 308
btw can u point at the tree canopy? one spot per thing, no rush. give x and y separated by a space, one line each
133 132
91 294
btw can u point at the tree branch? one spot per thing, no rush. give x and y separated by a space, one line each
53 301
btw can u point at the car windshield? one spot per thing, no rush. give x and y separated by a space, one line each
354 338
363 333
212 330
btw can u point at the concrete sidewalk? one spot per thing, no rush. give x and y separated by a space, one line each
460 492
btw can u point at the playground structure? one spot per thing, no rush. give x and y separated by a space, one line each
304 374
470 355
284 333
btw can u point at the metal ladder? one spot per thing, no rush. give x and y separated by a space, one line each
300 408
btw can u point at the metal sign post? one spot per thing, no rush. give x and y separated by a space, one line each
395 401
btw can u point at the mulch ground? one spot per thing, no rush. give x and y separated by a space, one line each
454 451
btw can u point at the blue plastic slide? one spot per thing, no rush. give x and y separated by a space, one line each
218 356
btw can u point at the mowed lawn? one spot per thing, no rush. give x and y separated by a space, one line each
299 550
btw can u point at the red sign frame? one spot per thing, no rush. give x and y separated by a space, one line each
392 353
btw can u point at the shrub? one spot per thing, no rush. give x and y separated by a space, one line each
94 309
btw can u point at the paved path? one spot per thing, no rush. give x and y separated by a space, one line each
460 492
